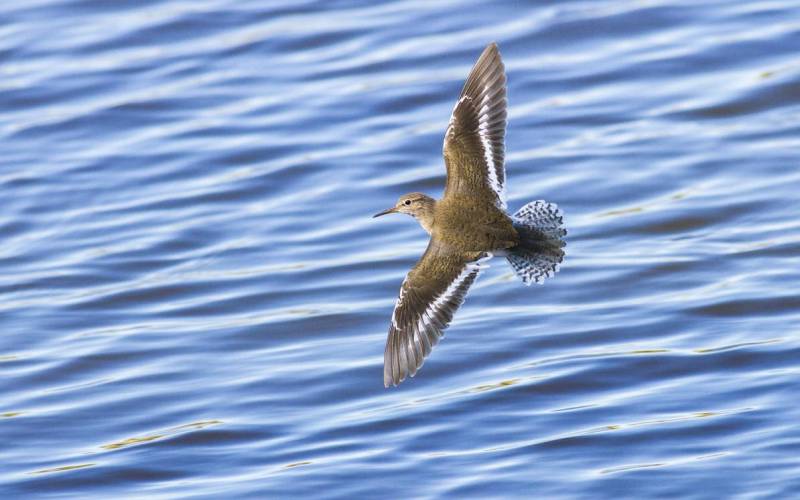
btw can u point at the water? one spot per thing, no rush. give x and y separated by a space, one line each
195 298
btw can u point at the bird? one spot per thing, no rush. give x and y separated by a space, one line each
468 225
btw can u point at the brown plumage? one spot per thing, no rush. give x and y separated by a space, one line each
468 224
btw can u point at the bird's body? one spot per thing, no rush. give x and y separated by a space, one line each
468 224
473 227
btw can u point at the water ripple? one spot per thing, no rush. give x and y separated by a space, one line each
195 297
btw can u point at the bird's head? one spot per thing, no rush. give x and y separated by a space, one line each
418 205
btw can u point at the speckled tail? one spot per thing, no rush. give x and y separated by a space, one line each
541 249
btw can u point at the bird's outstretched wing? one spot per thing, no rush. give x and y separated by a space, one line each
431 293
474 144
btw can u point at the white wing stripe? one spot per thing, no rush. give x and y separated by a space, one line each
397 304
446 295
424 321
488 155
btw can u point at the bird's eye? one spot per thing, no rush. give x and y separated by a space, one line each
407 202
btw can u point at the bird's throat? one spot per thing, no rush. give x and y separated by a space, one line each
426 223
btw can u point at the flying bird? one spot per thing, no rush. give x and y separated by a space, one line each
468 225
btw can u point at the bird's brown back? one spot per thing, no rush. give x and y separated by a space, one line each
472 225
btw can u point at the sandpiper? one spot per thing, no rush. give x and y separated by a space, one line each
468 225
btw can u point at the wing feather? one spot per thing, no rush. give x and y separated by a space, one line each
474 144
429 297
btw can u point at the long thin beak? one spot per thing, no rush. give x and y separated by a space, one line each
387 211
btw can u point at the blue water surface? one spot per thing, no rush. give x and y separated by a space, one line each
194 299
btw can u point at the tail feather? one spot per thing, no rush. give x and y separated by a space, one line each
539 253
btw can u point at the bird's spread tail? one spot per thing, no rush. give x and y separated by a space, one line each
540 226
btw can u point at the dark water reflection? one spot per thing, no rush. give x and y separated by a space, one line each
195 298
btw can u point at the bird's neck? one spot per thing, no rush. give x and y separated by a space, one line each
425 216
